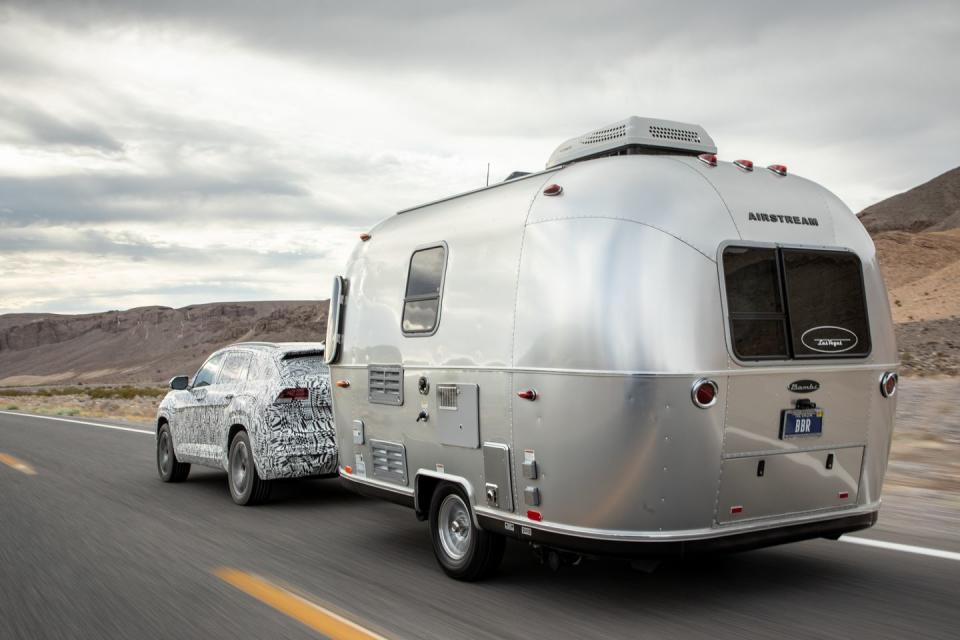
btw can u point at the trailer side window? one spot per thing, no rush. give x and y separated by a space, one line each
421 303
795 303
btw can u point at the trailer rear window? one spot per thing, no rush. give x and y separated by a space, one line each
421 303
795 303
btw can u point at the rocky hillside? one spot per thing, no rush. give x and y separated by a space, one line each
932 206
917 234
144 345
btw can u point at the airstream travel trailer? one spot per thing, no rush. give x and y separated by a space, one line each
640 350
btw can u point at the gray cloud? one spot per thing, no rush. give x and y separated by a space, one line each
97 243
844 90
38 127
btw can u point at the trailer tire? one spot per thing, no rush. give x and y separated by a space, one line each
463 550
169 468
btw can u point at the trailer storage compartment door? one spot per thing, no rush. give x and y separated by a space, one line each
761 486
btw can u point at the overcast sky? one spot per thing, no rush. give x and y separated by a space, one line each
183 152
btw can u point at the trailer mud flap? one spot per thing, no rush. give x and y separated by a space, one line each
763 486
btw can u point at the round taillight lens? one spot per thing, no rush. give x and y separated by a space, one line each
704 393
888 384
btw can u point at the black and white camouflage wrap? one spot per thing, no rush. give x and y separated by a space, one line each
289 438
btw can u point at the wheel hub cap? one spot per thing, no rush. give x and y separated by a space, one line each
239 471
455 527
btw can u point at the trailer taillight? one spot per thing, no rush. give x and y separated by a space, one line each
704 393
746 165
888 384
534 515
293 393
779 169
708 158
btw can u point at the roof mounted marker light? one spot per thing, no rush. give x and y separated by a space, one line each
365 236
709 159
746 165
779 169
704 393
553 190
888 384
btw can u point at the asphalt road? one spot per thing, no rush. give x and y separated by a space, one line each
93 545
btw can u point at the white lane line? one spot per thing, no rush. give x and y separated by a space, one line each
92 424
906 548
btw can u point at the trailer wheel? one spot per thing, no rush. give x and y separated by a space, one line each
246 485
464 551
169 468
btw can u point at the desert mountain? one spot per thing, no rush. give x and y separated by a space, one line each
143 345
917 234
932 206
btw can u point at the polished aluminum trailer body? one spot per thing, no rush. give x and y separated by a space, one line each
608 300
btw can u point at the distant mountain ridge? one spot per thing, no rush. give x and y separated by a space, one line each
932 206
142 345
917 234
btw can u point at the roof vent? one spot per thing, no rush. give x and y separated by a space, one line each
635 135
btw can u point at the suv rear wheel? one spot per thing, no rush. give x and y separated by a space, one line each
246 485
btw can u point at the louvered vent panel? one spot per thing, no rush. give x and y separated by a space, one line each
447 396
602 135
671 133
385 384
389 461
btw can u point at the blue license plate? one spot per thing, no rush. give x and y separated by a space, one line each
801 422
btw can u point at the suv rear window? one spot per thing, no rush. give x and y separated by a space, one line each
795 303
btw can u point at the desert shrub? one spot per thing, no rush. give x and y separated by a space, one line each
123 392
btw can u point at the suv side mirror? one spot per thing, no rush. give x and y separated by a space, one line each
179 383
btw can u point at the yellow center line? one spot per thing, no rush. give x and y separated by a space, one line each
15 463
330 624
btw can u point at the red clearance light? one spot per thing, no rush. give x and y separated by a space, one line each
343 384
736 510
746 165
534 515
779 169
529 394
708 158
294 393
888 384
553 190
704 393
843 495
365 236
348 469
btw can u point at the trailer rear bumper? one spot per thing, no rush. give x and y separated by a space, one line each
733 541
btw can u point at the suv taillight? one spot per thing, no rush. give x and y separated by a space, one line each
293 393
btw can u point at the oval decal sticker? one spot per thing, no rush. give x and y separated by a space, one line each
829 339
803 386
